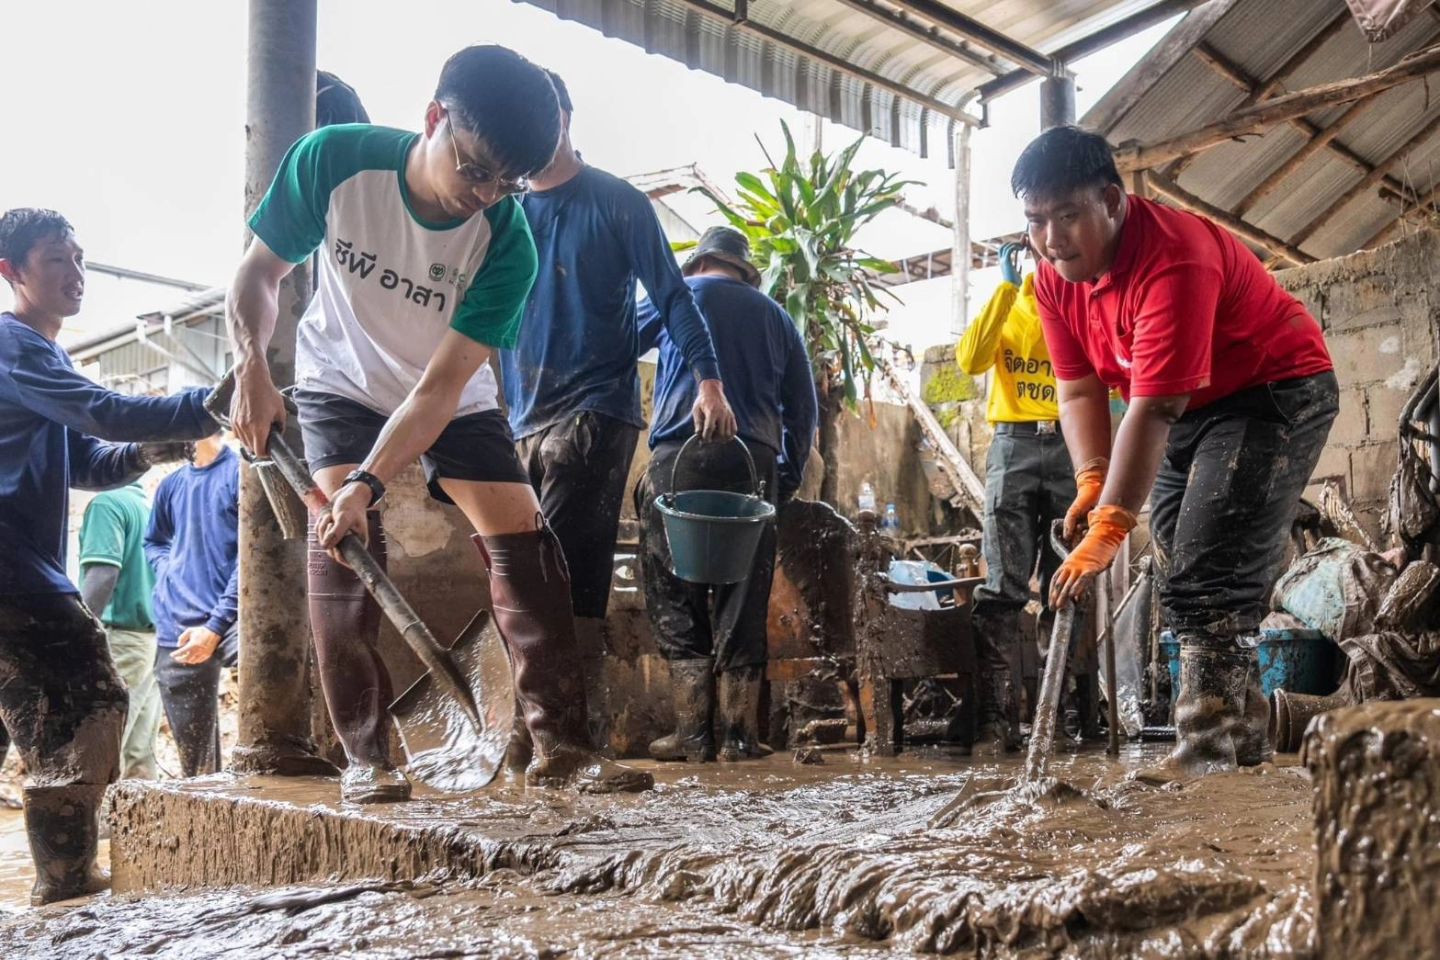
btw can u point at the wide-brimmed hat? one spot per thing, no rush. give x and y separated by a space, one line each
728 245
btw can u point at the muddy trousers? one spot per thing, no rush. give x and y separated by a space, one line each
190 694
61 699
1224 500
64 706
1029 482
345 621
692 621
579 468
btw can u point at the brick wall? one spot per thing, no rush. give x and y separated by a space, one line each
1379 310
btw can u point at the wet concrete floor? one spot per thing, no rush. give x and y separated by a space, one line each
773 859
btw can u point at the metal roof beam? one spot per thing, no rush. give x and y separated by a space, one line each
739 21
908 25
973 30
1095 42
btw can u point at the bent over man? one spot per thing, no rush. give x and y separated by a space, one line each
1231 397
427 265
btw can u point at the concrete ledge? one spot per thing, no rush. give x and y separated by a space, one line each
267 831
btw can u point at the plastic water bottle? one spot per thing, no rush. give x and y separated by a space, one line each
890 526
867 497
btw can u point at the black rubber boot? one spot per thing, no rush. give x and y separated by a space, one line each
63 827
1252 736
1210 721
529 596
345 621
692 684
740 714
997 649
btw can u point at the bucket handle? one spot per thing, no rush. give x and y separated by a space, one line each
757 488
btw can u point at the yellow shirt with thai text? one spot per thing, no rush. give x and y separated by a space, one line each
1007 336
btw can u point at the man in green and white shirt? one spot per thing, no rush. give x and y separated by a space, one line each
426 262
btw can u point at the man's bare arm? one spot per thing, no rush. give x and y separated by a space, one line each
251 307
1139 448
1085 418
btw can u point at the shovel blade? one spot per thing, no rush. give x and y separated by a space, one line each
445 749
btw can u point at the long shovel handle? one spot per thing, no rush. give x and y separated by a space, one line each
1047 703
412 629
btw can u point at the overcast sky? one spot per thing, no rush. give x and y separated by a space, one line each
129 119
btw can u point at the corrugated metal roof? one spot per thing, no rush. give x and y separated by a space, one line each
702 35
1259 37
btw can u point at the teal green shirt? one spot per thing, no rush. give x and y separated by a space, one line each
113 532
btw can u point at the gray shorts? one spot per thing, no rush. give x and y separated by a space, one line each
477 446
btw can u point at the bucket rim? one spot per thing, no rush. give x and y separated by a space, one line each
668 510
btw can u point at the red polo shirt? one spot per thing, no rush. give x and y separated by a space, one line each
1185 308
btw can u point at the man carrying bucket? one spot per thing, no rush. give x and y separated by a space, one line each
1231 395
702 628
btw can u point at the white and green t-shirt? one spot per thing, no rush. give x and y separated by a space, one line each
390 283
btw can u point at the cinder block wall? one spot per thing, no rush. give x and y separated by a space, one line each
1379 310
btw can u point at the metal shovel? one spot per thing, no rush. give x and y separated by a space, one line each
450 681
1047 707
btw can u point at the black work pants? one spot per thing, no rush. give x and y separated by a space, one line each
579 468
61 699
692 621
191 695
1225 497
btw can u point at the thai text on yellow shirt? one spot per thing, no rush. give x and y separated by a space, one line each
1007 336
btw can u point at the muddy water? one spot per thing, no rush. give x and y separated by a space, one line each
773 859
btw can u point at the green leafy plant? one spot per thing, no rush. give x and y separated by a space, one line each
802 217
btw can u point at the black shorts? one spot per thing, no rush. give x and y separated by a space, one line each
477 446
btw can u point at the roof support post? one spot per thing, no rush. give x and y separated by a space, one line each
1057 102
960 244
275 714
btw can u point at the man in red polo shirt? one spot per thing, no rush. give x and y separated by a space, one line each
1231 396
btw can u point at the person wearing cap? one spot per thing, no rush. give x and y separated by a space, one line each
572 382
1231 395
704 630
1029 483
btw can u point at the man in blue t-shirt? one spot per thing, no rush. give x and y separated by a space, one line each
60 697
702 629
193 544
572 384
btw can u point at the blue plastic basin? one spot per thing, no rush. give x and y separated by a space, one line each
1297 661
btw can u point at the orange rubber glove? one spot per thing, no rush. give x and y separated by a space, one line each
1109 526
1089 481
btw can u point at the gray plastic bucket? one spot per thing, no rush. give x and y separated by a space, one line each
713 534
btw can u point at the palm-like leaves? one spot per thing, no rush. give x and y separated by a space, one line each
802 218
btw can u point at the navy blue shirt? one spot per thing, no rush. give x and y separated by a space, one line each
762 361
193 545
577 348
50 419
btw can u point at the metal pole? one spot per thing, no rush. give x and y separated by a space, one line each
960 244
275 715
1057 102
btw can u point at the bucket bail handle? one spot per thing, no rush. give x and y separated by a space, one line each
757 489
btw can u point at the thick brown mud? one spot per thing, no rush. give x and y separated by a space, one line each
765 859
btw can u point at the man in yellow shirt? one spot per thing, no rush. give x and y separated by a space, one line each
1029 482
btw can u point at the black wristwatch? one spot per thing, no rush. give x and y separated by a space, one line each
377 489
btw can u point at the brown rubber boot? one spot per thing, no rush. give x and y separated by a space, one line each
345 621
529 596
63 827
740 714
520 750
692 684
1209 712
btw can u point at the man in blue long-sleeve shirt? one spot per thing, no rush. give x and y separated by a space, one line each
60 696
572 384
701 629
193 545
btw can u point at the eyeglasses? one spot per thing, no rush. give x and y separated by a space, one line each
477 176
